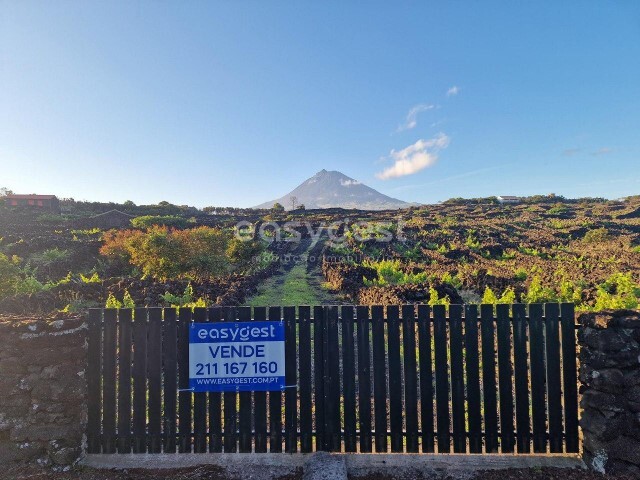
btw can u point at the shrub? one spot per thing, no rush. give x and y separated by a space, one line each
558 209
536 293
50 257
161 253
507 297
473 243
390 273
127 301
29 285
452 280
147 221
596 235
9 275
185 300
243 253
619 291
435 299
521 274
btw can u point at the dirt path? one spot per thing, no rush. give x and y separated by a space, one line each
297 282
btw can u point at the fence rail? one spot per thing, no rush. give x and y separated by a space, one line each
409 378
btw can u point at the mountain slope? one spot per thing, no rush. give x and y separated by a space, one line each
335 190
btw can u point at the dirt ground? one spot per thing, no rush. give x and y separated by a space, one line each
210 472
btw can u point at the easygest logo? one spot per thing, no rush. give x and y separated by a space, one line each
236 334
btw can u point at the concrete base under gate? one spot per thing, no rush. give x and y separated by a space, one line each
398 465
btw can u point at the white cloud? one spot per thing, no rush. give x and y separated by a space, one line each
414 158
412 117
348 183
453 91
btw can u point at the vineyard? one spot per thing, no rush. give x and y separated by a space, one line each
461 251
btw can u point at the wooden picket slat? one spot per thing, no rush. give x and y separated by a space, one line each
199 400
473 377
332 388
94 376
170 372
214 315
426 378
457 380
395 378
260 400
291 389
490 404
318 369
410 377
349 381
184 394
275 402
109 382
520 360
442 378
124 380
364 378
244 415
505 384
140 380
154 372
538 384
554 388
230 400
304 360
379 378
569 374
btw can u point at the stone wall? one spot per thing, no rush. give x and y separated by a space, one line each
42 390
610 388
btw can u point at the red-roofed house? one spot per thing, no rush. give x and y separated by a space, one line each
50 203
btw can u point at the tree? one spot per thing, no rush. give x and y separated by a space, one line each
4 191
162 253
294 201
277 207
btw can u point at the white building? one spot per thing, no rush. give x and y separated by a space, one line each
508 199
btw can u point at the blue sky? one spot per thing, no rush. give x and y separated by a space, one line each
236 103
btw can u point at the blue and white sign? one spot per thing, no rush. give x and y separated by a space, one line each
236 356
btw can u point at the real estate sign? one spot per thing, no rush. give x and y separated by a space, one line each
236 356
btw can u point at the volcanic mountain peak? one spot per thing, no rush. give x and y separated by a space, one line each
333 189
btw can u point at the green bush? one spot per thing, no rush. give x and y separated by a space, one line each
29 285
195 254
9 275
521 274
619 291
508 297
185 300
390 273
113 302
537 293
147 221
435 299
597 235
452 280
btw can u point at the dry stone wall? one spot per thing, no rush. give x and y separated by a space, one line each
42 390
610 388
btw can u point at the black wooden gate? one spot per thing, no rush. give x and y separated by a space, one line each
412 378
